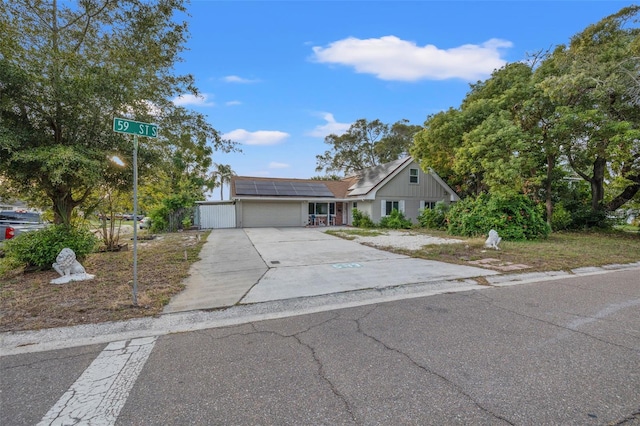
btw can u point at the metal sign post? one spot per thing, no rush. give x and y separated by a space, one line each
136 128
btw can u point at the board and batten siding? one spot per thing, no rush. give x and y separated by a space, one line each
399 188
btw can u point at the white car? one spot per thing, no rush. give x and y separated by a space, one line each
145 222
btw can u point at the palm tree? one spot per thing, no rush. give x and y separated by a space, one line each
221 175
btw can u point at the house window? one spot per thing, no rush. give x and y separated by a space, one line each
321 208
413 175
389 206
427 205
355 205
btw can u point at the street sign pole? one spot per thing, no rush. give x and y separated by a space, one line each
135 128
135 220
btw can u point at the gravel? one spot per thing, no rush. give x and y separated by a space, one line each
404 240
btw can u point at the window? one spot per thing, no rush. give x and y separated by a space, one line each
427 205
413 175
322 208
388 206
355 205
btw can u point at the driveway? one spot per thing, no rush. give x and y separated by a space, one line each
253 265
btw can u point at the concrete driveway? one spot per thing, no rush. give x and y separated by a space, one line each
253 265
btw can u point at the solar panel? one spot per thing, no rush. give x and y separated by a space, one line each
282 188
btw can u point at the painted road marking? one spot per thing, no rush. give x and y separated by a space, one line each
102 390
346 265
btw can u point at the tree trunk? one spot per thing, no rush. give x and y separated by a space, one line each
551 163
63 205
626 195
597 184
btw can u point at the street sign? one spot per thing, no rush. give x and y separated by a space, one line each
122 125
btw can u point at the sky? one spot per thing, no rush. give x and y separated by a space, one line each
279 76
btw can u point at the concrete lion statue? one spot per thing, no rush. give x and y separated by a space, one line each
66 263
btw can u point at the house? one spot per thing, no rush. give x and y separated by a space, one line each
376 191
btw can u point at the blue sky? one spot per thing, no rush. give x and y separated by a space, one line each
278 76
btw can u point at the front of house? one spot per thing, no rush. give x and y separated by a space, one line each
376 191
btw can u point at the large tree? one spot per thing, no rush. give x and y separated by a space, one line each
67 71
595 87
366 144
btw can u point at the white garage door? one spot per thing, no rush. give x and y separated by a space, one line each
265 214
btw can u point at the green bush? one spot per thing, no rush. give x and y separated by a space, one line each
40 248
362 220
514 217
561 218
434 218
395 220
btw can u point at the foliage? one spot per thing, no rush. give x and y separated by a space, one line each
326 177
366 144
172 213
222 175
395 220
66 70
434 218
562 218
362 220
40 248
514 217
575 111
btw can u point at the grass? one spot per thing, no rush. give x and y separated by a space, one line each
350 234
28 301
561 251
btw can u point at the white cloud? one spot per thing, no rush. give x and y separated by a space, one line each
390 58
331 127
260 137
237 79
233 103
276 165
189 99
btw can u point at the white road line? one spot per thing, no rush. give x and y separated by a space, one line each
99 394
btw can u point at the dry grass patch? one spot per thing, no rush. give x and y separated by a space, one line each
28 301
561 251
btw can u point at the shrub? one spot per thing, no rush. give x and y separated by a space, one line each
434 218
561 218
395 220
40 248
362 220
514 217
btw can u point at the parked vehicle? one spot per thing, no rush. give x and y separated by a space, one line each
16 222
145 223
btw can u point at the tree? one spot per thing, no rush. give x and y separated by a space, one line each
222 174
366 144
66 72
595 88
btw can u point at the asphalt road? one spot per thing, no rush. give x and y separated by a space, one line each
563 352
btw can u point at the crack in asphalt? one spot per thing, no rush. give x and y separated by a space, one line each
426 369
493 303
323 376
631 417
93 353
296 336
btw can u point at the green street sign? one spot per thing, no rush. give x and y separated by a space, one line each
122 125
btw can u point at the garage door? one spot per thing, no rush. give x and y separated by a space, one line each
266 214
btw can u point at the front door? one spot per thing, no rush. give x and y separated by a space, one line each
339 213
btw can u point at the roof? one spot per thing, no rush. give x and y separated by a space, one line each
359 185
247 186
371 177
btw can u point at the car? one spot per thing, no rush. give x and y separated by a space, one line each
145 222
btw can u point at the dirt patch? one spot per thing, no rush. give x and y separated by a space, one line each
29 302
